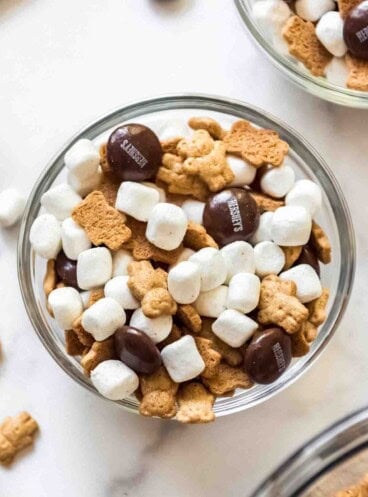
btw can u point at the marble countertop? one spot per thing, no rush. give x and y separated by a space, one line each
62 63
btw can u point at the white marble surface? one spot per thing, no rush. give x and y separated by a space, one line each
63 62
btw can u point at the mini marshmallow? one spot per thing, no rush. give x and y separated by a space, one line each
167 225
263 233
337 71
194 210
312 10
269 258
308 284
175 128
234 328
182 359
239 258
244 173
136 200
45 236
184 282
60 201
244 290
82 159
117 289
120 262
271 15
329 31
212 267
74 238
12 205
157 329
94 268
184 255
66 305
114 380
291 226
278 181
161 191
103 318
305 193
86 185
211 304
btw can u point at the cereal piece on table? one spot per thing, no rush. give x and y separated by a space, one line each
158 301
95 294
15 434
210 356
358 75
175 334
345 6
158 394
195 404
189 317
256 146
196 237
317 308
233 357
227 379
209 125
198 145
99 352
305 46
104 224
320 243
291 255
73 346
83 336
50 278
301 340
170 145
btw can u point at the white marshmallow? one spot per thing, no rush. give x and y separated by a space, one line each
329 31
45 236
86 185
120 262
82 159
66 305
136 200
166 226
244 173
114 380
337 71
271 15
184 255
94 268
12 205
308 284
244 290
211 304
161 191
117 289
184 282
305 193
234 328
103 318
278 181
269 258
74 238
239 258
291 226
60 201
263 232
312 10
156 328
173 129
194 210
212 267
182 359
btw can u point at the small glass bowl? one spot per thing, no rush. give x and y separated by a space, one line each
338 275
334 460
291 68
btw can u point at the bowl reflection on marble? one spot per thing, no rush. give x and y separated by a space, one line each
334 216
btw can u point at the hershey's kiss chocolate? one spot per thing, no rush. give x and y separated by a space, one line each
307 256
231 215
66 269
356 30
134 152
135 349
268 355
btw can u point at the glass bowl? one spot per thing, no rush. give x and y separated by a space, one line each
338 275
291 68
334 460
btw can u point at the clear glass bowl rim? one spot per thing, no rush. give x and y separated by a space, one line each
209 103
316 86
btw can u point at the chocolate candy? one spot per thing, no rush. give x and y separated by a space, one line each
307 256
231 215
134 152
268 355
136 350
356 30
66 270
